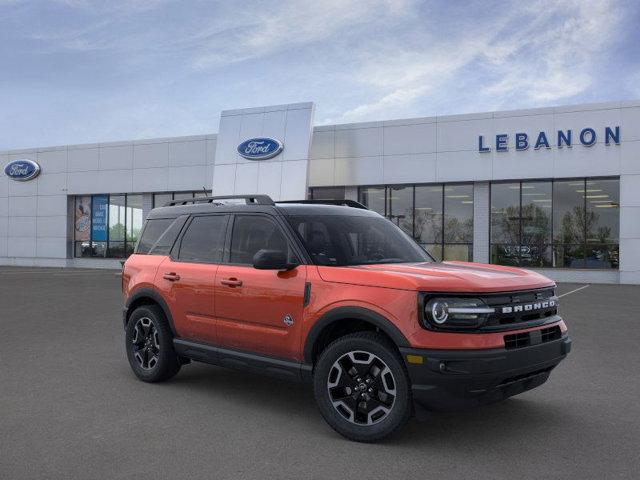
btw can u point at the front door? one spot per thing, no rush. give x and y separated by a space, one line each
187 279
259 310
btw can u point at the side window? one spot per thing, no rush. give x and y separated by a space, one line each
204 239
255 232
168 238
319 241
152 232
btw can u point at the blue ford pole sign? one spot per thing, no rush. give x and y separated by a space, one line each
22 170
260 148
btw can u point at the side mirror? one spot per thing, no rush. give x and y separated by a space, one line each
272 260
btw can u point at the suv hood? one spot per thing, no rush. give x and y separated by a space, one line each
438 277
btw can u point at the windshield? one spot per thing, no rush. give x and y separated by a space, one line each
341 240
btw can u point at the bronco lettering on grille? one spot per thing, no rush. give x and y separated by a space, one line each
529 307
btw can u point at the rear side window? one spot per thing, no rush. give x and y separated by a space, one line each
203 240
152 232
168 238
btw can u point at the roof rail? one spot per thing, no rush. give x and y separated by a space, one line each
249 200
344 203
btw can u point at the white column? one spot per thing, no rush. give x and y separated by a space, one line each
629 229
283 177
481 217
147 204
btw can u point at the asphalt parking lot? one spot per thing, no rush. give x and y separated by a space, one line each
71 408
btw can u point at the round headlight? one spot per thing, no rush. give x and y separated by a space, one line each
439 312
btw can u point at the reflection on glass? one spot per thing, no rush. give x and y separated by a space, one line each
568 212
458 214
459 252
564 224
401 207
602 256
536 224
373 198
568 256
438 216
134 221
161 199
435 250
428 215
99 249
603 211
183 195
505 254
327 193
505 213
117 214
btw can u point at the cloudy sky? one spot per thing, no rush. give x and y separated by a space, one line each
80 71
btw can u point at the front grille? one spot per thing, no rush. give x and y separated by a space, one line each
517 340
514 308
535 337
549 334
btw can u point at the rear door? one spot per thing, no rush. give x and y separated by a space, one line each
259 310
187 278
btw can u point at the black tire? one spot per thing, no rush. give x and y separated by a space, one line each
339 393
151 356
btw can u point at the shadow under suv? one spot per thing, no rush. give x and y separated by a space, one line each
336 295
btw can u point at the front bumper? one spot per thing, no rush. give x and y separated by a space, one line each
454 379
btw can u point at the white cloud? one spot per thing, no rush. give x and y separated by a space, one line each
288 24
554 63
164 67
542 52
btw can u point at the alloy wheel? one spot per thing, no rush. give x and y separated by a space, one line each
146 343
361 387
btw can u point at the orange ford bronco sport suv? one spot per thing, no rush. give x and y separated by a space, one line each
336 295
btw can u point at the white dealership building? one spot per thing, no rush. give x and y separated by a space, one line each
553 189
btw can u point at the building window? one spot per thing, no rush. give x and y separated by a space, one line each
564 224
117 220
374 198
326 193
134 221
439 217
160 199
521 223
107 226
458 222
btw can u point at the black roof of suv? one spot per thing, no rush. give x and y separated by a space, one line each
258 203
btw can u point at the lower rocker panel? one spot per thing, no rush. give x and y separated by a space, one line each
224 357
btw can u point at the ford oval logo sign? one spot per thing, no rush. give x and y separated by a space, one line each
22 170
260 148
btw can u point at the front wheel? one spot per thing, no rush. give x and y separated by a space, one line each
149 345
362 387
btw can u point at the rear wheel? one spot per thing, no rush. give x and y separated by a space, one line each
362 387
149 345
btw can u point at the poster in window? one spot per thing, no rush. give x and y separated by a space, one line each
83 218
99 218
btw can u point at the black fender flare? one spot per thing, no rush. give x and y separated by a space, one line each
351 313
155 297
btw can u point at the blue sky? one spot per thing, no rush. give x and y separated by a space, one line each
76 71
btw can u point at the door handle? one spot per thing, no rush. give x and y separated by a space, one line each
231 282
171 276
